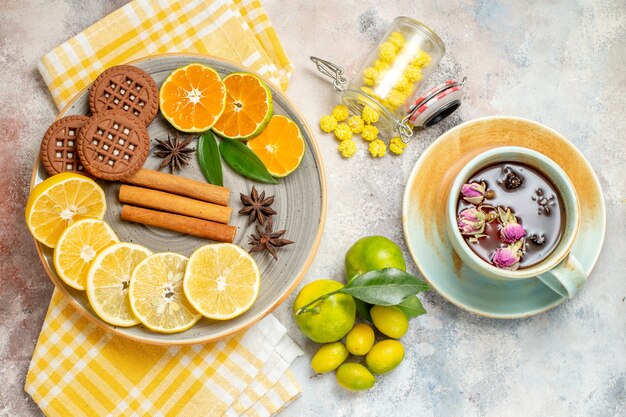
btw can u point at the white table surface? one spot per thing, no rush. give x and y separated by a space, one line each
559 62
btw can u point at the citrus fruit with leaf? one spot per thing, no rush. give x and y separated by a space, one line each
360 339
385 356
248 107
390 321
108 279
156 294
329 357
221 281
372 253
60 201
355 377
192 98
78 246
280 146
328 319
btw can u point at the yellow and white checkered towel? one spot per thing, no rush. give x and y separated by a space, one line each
77 368
238 30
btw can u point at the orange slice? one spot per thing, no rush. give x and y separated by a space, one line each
280 146
192 98
248 107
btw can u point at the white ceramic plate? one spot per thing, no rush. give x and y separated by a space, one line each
300 202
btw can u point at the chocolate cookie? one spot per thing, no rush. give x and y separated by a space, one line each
58 147
113 145
126 88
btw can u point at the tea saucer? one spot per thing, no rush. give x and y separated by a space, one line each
424 211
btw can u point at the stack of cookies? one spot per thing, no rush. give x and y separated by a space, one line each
113 143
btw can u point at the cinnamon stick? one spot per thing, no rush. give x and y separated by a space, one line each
159 200
179 185
184 224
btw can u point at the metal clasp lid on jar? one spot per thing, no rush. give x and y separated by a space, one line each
428 109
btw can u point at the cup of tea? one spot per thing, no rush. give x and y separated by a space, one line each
513 213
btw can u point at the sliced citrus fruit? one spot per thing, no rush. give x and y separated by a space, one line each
221 281
108 279
192 98
78 246
156 294
280 146
60 201
248 107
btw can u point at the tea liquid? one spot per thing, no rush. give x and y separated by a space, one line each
535 203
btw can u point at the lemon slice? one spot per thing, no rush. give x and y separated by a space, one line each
78 246
108 279
60 201
221 281
156 294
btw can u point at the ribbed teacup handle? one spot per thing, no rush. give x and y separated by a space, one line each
566 278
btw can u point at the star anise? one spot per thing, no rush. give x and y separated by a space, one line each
268 240
174 152
256 206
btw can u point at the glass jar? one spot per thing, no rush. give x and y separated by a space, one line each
391 77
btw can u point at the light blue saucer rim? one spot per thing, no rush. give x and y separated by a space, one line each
590 264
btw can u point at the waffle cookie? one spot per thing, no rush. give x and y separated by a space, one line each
58 147
113 145
126 88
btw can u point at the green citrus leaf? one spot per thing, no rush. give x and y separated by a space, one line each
363 309
385 287
244 161
412 307
209 159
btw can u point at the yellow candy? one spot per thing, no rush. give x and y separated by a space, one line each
404 85
369 115
397 38
381 66
396 145
347 148
407 89
387 51
378 148
328 124
356 124
422 60
395 98
370 75
370 92
386 104
413 73
341 112
369 133
343 132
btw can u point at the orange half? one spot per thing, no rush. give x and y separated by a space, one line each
192 98
248 107
280 146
